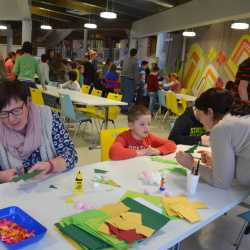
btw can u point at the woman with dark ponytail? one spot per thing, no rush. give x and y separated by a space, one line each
229 125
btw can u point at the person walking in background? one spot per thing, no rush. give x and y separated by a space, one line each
129 79
26 66
142 88
9 64
152 88
44 71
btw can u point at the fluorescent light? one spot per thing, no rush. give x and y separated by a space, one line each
3 27
90 25
46 27
189 33
239 26
108 15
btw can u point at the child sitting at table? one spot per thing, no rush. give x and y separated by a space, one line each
138 141
72 84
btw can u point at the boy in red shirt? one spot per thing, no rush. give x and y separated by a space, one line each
152 88
138 141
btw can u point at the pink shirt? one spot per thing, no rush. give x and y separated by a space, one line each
9 66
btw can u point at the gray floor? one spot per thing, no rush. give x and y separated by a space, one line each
219 235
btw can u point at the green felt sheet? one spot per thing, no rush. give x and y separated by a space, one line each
150 218
83 238
156 200
27 176
90 221
162 160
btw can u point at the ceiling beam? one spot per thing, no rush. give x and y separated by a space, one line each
162 3
40 11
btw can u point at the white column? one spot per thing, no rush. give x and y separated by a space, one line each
26 29
85 41
161 50
9 34
132 40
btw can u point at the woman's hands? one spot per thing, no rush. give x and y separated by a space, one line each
7 175
44 166
206 158
185 159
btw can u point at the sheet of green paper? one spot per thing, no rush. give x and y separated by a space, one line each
90 221
156 200
192 149
150 218
177 170
100 171
27 176
83 238
162 160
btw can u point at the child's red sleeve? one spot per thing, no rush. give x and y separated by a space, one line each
118 150
164 145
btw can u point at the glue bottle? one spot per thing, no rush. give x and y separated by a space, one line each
78 185
162 184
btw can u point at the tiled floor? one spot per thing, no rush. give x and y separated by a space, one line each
219 235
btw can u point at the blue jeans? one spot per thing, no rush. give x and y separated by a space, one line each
128 91
153 98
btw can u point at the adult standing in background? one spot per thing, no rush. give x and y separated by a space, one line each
44 71
243 75
129 78
89 73
9 64
26 66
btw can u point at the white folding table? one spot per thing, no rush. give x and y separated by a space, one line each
78 97
48 205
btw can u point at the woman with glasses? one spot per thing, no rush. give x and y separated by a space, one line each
229 126
31 137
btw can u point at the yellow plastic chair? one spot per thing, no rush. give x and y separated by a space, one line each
96 92
85 89
113 111
183 91
107 137
37 96
175 106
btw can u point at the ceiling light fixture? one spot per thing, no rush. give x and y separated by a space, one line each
90 25
45 27
188 33
3 27
108 14
240 26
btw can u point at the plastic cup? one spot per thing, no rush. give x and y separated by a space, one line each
192 183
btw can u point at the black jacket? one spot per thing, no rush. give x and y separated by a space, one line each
187 129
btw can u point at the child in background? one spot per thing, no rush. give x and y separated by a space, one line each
9 64
174 83
138 141
152 88
81 69
72 84
111 80
75 68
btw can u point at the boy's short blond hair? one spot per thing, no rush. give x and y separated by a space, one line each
136 111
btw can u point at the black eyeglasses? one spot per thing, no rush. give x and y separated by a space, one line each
16 112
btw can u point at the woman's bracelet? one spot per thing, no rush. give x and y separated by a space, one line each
51 167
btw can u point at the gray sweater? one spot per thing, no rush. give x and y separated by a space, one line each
230 144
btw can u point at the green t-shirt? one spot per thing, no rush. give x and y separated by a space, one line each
26 66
